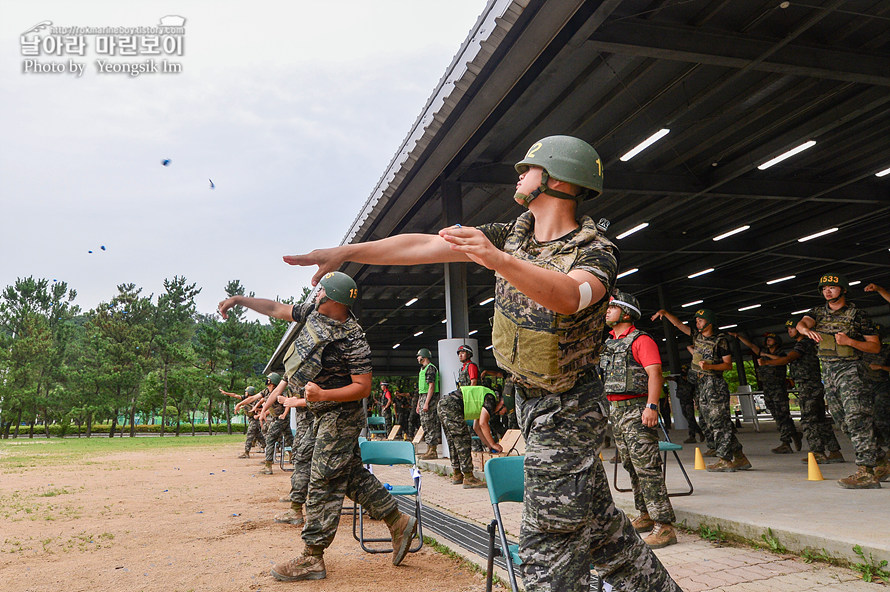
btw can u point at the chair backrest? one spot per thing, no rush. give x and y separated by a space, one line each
505 477
387 452
376 420
362 439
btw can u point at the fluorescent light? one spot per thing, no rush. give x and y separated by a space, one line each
685 322
817 235
473 332
381 321
801 311
486 301
788 154
693 303
702 272
645 144
489 347
781 279
418 334
727 327
396 345
627 273
856 283
444 321
731 232
753 306
636 228
410 302
882 173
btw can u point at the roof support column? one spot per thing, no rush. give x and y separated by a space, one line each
456 313
670 334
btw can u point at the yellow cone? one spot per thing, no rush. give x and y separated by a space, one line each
601 456
699 460
813 472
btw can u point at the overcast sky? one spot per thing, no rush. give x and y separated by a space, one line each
293 109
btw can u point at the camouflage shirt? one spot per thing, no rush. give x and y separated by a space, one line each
806 367
771 375
849 319
710 349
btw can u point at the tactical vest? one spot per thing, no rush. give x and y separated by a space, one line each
806 367
277 408
422 387
830 323
474 397
704 349
302 361
539 347
622 373
771 375
463 377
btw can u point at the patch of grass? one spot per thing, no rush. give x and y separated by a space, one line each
869 568
810 555
53 492
715 535
772 542
440 548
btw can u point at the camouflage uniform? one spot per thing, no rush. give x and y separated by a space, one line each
879 382
463 375
453 415
302 455
775 395
713 395
686 396
335 467
706 431
805 373
413 416
569 519
278 428
637 443
254 430
851 402
432 429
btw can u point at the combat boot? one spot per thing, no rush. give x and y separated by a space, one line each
662 535
267 469
690 440
245 454
471 482
798 441
304 567
784 448
293 516
709 452
457 478
882 471
740 462
819 456
863 478
402 531
430 454
643 522
722 466
834 457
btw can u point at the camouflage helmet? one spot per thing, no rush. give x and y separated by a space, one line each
250 391
626 302
465 348
424 353
707 314
564 158
274 378
339 287
833 279
509 402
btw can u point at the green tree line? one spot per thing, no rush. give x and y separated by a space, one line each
134 357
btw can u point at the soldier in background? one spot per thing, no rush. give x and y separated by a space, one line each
279 427
469 371
878 380
842 332
254 431
480 404
553 273
775 391
686 396
428 402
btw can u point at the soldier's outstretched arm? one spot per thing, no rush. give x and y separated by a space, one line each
264 306
673 320
402 249
883 292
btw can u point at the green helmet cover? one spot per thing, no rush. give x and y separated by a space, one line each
250 391
424 353
275 378
833 279
706 314
626 302
564 158
339 287
509 402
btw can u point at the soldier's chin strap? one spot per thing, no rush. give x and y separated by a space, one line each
836 298
543 188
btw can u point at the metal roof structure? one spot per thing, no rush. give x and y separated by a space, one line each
736 83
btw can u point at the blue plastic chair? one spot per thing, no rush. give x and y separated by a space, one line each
664 446
376 426
389 452
505 478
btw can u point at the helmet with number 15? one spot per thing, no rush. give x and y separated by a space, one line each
339 287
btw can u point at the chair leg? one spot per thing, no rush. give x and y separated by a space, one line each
615 478
506 549
489 571
685 475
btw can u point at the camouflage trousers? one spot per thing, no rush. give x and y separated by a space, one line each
687 407
713 400
852 405
277 429
816 425
882 413
337 471
776 398
254 434
451 414
638 448
429 420
387 420
303 446
707 432
569 520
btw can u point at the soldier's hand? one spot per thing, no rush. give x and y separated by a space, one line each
474 244
814 335
875 367
426 408
327 260
650 417
842 339
872 288
658 314
497 448
313 392
224 306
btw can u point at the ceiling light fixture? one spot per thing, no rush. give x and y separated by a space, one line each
788 154
645 144
473 332
856 283
396 345
781 279
817 235
731 232
752 307
727 327
486 301
882 173
702 272
627 273
489 347
693 303
418 334
800 311
410 302
636 228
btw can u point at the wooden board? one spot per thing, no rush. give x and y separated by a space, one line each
418 437
394 432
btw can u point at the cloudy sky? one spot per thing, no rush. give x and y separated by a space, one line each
293 109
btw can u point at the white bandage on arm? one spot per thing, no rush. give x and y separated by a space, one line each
585 296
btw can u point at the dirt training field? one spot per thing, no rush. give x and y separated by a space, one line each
172 515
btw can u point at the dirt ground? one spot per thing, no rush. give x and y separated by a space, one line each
177 520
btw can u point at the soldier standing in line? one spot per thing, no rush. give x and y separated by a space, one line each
842 332
553 272
712 355
330 360
279 428
686 395
775 391
469 371
480 404
428 402
386 406
254 432
878 379
632 377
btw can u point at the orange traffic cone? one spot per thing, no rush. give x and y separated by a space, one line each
813 472
699 460
601 456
